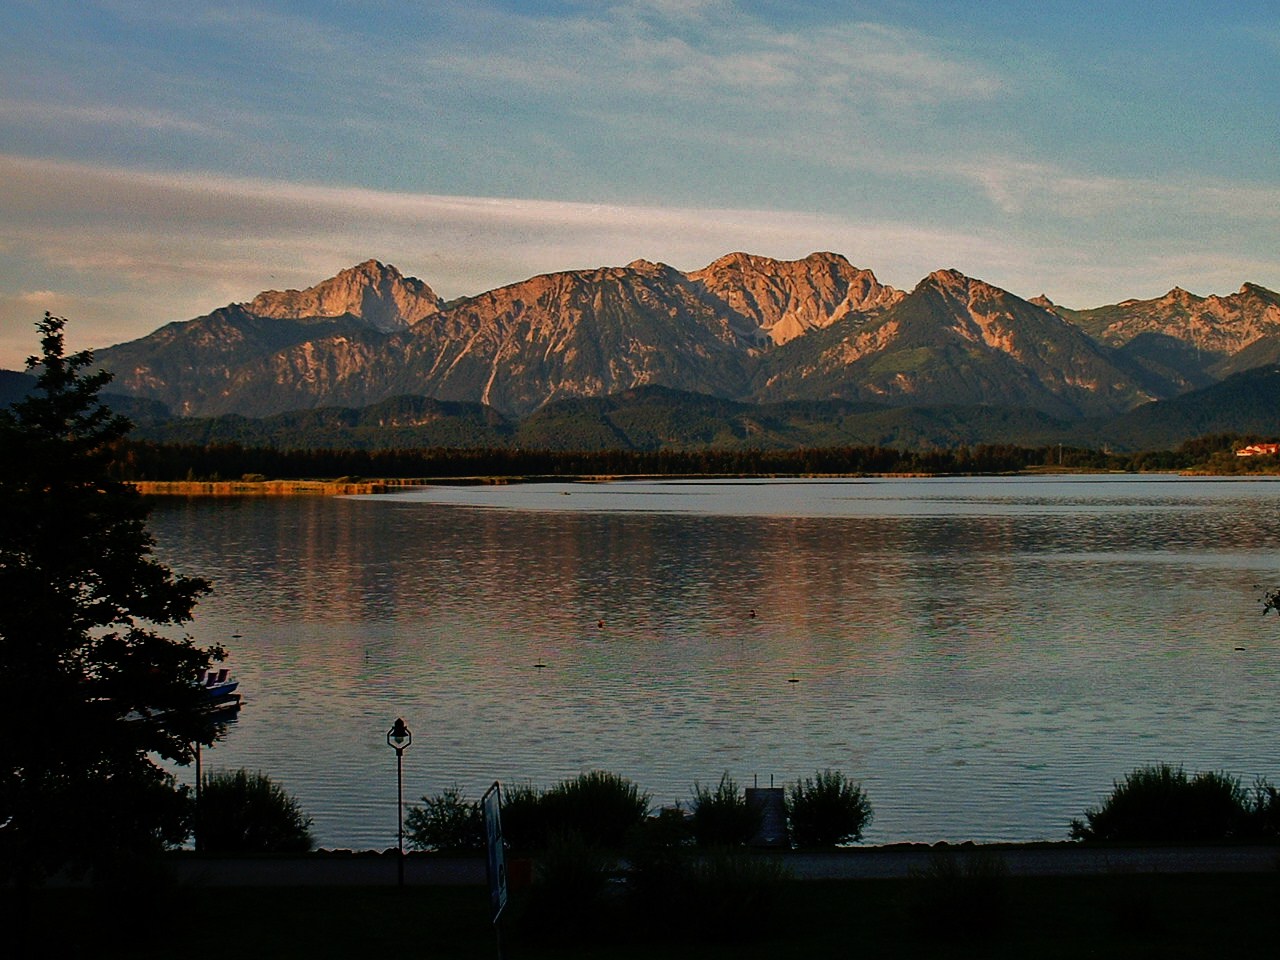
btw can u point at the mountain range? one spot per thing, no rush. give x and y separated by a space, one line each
778 351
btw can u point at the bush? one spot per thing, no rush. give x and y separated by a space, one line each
668 829
1161 803
1263 813
446 823
721 817
523 823
601 808
242 812
827 810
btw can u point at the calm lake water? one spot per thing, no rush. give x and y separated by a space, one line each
985 655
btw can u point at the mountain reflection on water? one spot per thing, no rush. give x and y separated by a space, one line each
985 656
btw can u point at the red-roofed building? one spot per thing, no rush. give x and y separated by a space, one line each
1259 450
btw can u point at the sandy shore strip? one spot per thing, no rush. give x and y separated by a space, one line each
266 488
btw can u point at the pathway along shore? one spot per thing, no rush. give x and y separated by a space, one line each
355 870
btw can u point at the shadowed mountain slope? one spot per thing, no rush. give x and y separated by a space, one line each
955 340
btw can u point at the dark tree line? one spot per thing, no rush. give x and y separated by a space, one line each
144 460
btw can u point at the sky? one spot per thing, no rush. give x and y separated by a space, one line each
159 160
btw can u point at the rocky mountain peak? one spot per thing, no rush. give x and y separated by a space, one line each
972 294
593 332
787 298
949 280
739 260
375 292
734 261
1178 296
1253 292
656 271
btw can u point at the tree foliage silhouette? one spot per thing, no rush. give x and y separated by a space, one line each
92 687
243 812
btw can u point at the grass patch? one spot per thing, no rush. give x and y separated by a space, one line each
1045 917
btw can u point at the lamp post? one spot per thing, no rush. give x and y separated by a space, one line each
399 737
199 777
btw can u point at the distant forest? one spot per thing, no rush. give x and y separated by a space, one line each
148 460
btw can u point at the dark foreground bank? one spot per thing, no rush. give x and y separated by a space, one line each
928 915
1053 900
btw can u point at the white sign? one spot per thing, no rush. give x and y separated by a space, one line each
491 804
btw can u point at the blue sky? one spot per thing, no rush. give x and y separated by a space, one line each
158 160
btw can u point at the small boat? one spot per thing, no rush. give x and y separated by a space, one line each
217 686
221 690
218 683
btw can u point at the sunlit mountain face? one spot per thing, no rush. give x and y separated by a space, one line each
744 329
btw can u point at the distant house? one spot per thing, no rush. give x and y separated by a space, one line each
1259 450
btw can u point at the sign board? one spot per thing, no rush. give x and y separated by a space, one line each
491 805
770 806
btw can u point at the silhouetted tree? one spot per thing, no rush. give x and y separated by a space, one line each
826 810
721 815
90 690
1161 803
446 822
243 812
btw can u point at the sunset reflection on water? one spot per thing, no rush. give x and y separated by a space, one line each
985 656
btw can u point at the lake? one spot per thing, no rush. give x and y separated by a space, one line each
986 656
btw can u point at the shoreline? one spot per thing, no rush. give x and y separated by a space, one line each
264 488
349 487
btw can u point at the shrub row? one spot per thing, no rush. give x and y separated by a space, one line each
242 812
1162 803
606 811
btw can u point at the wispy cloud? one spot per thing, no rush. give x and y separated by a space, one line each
458 138
247 22
723 54
610 97
1025 188
629 102
144 248
55 208
132 117
39 298
124 251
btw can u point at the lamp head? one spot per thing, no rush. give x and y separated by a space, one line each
399 736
